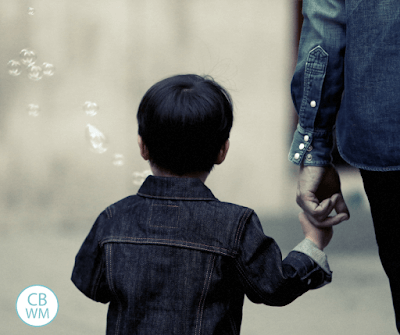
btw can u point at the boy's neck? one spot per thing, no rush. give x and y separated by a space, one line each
158 172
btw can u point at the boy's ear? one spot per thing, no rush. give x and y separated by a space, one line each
144 152
223 152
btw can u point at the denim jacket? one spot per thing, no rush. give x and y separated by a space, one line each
175 260
352 49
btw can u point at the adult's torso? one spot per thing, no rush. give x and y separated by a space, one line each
368 123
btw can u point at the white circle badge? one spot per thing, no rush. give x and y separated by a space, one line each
37 305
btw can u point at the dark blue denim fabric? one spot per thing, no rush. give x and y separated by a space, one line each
175 260
352 48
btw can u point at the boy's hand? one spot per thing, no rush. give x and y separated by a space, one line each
321 236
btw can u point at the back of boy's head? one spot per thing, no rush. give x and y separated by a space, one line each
184 121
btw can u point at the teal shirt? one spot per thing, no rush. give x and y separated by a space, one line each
346 83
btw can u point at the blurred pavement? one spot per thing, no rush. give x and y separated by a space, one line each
357 302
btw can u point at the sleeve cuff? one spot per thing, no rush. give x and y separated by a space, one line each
311 250
311 147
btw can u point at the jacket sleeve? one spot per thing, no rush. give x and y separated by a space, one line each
89 273
318 81
269 280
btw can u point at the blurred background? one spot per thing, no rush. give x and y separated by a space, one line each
72 74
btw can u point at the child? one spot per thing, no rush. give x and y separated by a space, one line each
173 259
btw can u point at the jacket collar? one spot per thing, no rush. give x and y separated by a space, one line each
175 188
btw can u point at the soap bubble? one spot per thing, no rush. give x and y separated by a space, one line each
97 140
118 160
27 56
31 11
139 177
35 72
90 108
14 68
33 110
48 69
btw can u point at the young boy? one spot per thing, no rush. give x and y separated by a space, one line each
173 259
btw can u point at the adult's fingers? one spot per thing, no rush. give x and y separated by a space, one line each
329 221
314 209
340 206
320 216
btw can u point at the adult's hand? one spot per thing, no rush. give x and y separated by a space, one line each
318 193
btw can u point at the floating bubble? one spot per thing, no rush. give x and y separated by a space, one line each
48 69
118 160
14 68
139 177
90 108
33 110
35 72
97 140
31 11
27 56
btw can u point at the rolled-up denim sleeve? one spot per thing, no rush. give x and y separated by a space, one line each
266 277
89 273
318 81
318 256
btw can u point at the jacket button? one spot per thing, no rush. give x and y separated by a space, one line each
306 138
310 148
309 157
296 155
313 104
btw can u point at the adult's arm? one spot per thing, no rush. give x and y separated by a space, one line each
317 88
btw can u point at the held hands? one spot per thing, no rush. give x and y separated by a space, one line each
321 236
318 193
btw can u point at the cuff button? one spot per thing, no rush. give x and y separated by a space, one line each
306 138
296 155
301 146
309 157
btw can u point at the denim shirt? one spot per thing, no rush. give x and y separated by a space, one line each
175 260
348 49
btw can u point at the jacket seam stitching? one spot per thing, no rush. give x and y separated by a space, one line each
97 281
109 212
203 297
110 283
139 240
239 231
176 198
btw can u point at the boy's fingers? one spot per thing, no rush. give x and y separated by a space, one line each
331 220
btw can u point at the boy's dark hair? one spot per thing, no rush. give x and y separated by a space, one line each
184 120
